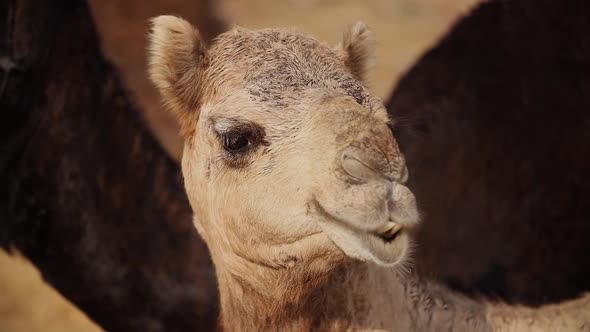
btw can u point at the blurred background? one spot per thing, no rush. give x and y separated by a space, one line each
404 30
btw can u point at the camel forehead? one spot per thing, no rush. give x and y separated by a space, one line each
278 66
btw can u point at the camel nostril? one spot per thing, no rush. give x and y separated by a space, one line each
354 166
365 166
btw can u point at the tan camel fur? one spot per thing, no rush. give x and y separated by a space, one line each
297 187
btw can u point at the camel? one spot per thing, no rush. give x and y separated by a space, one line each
476 122
297 186
88 194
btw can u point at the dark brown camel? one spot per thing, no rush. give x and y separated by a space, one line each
495 124
87 194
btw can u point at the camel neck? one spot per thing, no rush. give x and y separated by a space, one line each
353 295
293 300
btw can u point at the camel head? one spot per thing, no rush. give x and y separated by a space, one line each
288 158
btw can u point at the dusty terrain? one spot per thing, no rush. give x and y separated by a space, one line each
404 29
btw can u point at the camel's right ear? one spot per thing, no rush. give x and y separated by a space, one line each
177 62
357 50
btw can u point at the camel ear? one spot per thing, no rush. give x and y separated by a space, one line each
357 49
177 62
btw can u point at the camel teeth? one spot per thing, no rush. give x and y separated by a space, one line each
389 231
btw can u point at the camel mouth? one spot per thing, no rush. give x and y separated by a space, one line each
385 245
389 232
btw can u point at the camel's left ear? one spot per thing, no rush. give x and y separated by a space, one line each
357 49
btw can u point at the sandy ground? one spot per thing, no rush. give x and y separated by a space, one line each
27 304
404 30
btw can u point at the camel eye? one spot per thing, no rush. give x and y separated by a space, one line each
239 139
235 142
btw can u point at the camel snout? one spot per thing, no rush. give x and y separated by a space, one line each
401 206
